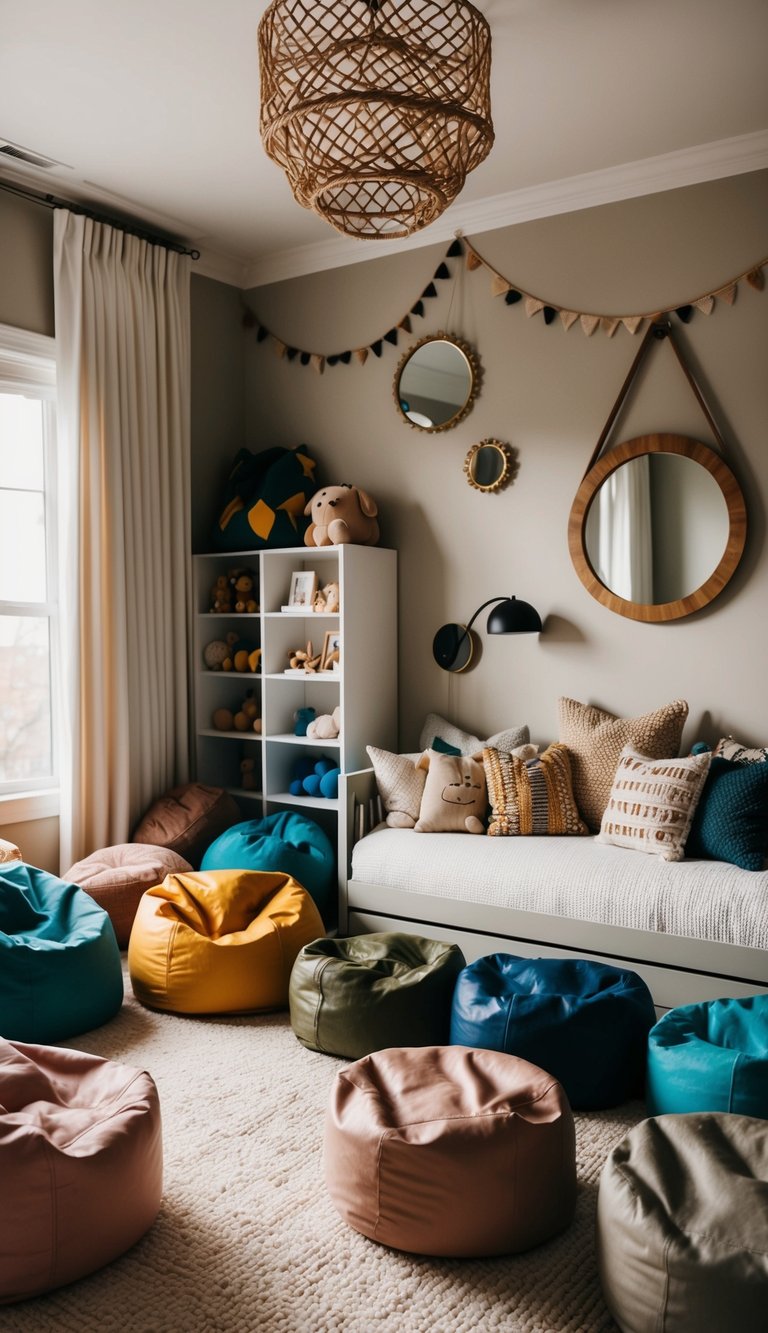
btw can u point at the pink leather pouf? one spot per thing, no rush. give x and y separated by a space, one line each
451 1151
81 1165
117 878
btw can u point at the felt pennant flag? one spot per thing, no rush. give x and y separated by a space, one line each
705 304
609 325
305 358
442 271
291 352
632 322
430 290
499 285
533 305
454 249
589 323
376 347
567 318
473 260
261 333
728 293
405 324
512 297
361 355
391 337
345 358
684 312
418 308
280 347
756 279
332 359
549 314
318 363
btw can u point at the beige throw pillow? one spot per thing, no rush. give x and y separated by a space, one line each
652 803
454 799
436 726
595 740
400 785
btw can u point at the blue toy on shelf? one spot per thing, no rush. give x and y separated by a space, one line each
312 777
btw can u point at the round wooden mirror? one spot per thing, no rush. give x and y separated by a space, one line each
436 382
657 528
489 465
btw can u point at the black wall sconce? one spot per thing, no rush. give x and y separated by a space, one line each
453 647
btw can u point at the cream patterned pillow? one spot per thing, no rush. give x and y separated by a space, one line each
652 803
728 748
464 741
595 740
400 784
531 796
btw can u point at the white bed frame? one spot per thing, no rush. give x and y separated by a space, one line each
678 970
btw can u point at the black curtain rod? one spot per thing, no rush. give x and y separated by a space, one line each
50 201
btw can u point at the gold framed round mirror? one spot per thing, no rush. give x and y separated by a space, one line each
436 382
657 528
490 465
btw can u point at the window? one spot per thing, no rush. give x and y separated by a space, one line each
27 564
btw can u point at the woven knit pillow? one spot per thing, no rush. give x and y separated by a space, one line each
400 785
436 727
531 796
728 748
652 803
731 819
595 741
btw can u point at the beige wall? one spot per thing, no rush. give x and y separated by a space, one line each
26 265
548 393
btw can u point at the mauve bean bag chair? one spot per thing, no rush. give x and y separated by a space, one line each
81 1165
357 995
682 1226
443 1150
60 970
116 877
219 941
710 1057
584 1021
187 819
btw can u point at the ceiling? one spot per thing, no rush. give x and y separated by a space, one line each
150 111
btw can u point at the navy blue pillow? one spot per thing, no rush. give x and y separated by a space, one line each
731 819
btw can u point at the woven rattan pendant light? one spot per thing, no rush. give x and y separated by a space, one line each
375 109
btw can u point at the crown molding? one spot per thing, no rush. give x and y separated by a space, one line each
222 268
650 175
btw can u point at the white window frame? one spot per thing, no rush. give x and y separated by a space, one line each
28 366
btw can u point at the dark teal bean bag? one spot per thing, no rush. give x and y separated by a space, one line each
287 842
710 1057
585 1022
60 969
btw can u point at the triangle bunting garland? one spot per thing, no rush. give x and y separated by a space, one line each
588 321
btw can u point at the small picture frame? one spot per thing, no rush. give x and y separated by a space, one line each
331 655
302 590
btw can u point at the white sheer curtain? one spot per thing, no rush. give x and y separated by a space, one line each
619 535
123 377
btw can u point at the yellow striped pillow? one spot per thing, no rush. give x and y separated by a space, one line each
531 796
652 803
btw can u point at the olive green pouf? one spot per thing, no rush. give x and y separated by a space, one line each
354 996
682 1226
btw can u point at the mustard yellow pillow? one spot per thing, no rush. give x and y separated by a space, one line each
531 796
595 740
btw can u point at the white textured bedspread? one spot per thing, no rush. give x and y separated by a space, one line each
572 877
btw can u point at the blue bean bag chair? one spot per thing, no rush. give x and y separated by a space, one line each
60 969
287 842
585 1022
710 1057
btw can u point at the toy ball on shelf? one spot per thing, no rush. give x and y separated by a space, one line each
302 768
223 719
218 651
302 719
315 777
246 659
247 713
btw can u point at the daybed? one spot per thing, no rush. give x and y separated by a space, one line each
693 929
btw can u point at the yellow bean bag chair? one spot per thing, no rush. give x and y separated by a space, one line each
220 941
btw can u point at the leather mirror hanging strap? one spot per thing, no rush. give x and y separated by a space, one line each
656 332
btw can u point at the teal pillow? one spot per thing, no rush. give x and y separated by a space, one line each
443 747
731 819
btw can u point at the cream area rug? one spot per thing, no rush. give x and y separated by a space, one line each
247 1238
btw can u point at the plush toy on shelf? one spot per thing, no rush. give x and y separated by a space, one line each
242 588
247 714
223 719
248 774
245 659
326 599
326 727
304 659
219 651
302 718
340 514
221 595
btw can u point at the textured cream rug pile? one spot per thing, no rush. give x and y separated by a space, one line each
247 1238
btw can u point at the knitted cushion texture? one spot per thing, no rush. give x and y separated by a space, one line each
531 796
652 802
731 820
596 738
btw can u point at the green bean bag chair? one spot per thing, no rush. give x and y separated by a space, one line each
60 970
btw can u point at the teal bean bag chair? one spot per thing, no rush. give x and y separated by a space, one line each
710 1057
60 969
287 842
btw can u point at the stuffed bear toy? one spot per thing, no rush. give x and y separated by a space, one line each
455 794
242 588
340 514
326 599
221 595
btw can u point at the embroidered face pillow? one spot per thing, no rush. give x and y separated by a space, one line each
454 799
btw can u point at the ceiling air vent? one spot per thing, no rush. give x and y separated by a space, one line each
23 155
